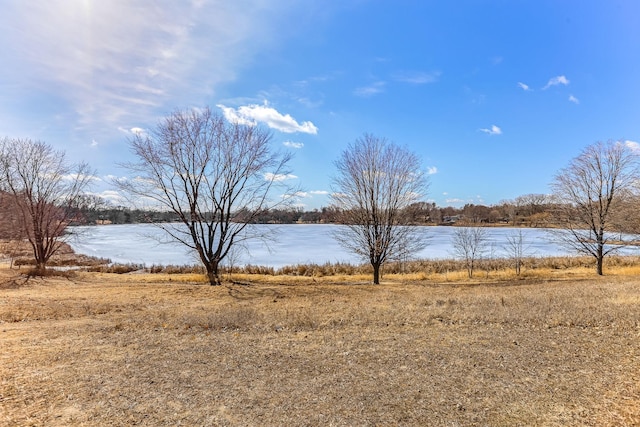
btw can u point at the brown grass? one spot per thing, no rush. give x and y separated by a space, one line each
20 253
102 349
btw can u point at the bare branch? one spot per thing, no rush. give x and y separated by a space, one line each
376 182
589 194
213 175
44 190
469 244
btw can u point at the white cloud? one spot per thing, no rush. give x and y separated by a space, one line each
373 89
112 196
319 192
292 144
494 130
632 145
278 177
233 116
131 131
297 195
555 81
574 99
418 77
94 143
524 87
254 113
454 201
432 170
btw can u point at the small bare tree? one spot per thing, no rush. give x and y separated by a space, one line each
469 244
516 247
215 175
43 190
590 191
376 181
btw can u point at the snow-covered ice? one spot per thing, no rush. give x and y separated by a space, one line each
293 244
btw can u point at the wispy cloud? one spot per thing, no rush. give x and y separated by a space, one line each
75 176
110 63
432 170
555 81
371 90
494 130
524 87
417 77
278 177
574 99
292 144
253 114
319 192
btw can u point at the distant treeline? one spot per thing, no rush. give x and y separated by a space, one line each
533 210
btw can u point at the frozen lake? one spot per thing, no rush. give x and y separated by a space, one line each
294 244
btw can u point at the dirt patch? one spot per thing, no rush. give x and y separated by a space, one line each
101 349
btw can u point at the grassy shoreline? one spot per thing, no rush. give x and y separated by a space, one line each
445 270
448 270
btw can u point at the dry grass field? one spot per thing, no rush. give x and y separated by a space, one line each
96 349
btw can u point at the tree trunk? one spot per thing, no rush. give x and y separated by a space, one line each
41 268
41 262
600 258
212 274
599 267
376 273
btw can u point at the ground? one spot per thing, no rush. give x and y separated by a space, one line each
97 349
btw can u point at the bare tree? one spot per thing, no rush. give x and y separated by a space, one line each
516 247
215 175
589 192
44 190
376 181
469 244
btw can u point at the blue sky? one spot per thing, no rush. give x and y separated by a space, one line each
494 96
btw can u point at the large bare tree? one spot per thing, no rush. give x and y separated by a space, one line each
214 174
590 192
43 189
376 182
